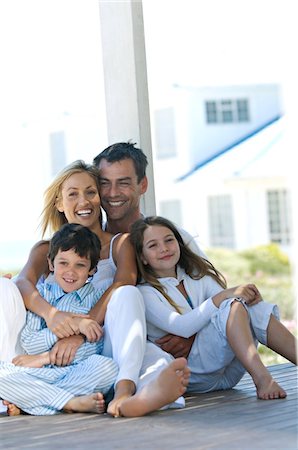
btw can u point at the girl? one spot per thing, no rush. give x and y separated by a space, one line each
185 295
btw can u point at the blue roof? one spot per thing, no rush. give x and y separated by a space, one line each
242 155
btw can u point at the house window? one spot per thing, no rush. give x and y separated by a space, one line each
171 209
221 227
165 133
279 216
227 111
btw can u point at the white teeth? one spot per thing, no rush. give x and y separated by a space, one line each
69 280
84 212
116 203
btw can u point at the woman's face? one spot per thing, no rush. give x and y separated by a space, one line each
79 200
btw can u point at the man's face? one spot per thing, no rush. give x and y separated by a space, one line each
120 191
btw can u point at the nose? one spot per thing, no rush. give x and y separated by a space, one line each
83 199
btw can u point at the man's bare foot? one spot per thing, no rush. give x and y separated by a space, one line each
93 403
36 361
123 390
12 410
269 389
170 384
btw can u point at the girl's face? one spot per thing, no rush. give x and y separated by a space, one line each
71 271
79 200
161 250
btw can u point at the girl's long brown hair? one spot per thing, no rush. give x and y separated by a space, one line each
194 265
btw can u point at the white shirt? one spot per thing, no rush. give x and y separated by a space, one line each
162 318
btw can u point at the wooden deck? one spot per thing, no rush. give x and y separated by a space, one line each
220 420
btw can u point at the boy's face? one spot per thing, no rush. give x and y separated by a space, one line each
71 271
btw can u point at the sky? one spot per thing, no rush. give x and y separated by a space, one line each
51 70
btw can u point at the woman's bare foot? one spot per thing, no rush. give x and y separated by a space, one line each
170 384
124 389
269 389
12 410
36 361
93 403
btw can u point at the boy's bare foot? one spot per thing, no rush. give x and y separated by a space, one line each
123 390
93 403
36 361
12 410
269 389
170 384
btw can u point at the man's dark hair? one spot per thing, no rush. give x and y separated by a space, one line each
124 150
77 237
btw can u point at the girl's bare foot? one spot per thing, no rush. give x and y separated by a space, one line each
168 386
93 403
12 410
269 389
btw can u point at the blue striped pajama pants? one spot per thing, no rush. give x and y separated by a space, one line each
46 390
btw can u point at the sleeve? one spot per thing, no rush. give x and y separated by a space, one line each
160 314
36 337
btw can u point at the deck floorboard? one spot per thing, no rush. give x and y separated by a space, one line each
227 420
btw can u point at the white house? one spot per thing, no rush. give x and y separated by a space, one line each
226 178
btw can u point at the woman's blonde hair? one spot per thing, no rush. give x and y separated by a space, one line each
51 218
194 265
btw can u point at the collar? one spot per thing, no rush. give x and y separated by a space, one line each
54 288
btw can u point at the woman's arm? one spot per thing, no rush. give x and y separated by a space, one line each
126 274
60 323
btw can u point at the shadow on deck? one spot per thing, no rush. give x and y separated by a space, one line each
233 419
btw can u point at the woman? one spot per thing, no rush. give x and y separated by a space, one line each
73 197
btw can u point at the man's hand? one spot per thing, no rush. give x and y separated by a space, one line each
64 351
90 328
176 345
63 324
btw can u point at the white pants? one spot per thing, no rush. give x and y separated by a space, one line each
12 319
125 340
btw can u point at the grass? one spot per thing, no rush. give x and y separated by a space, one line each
270 270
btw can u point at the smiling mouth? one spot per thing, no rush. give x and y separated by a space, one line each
116 204
84 212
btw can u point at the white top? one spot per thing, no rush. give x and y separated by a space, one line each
162 318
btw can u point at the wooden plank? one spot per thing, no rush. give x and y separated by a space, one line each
233 419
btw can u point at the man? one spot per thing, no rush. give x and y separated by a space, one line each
122 179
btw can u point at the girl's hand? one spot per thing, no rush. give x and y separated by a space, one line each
248 292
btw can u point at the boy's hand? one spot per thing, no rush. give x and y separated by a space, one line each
64 351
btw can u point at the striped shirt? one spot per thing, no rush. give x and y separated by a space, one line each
37 338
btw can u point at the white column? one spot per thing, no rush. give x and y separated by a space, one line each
125 79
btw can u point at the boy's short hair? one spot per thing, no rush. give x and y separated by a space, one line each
124 150
77 237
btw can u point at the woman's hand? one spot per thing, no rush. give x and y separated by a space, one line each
64 324
90 328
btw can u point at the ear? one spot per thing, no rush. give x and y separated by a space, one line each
92 272
51 267
59 205
144 261
144 185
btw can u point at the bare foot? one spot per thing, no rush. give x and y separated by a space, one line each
170 384
36 361
93 403
269 389
123 390
12 410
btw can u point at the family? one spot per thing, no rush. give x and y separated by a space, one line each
125 314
